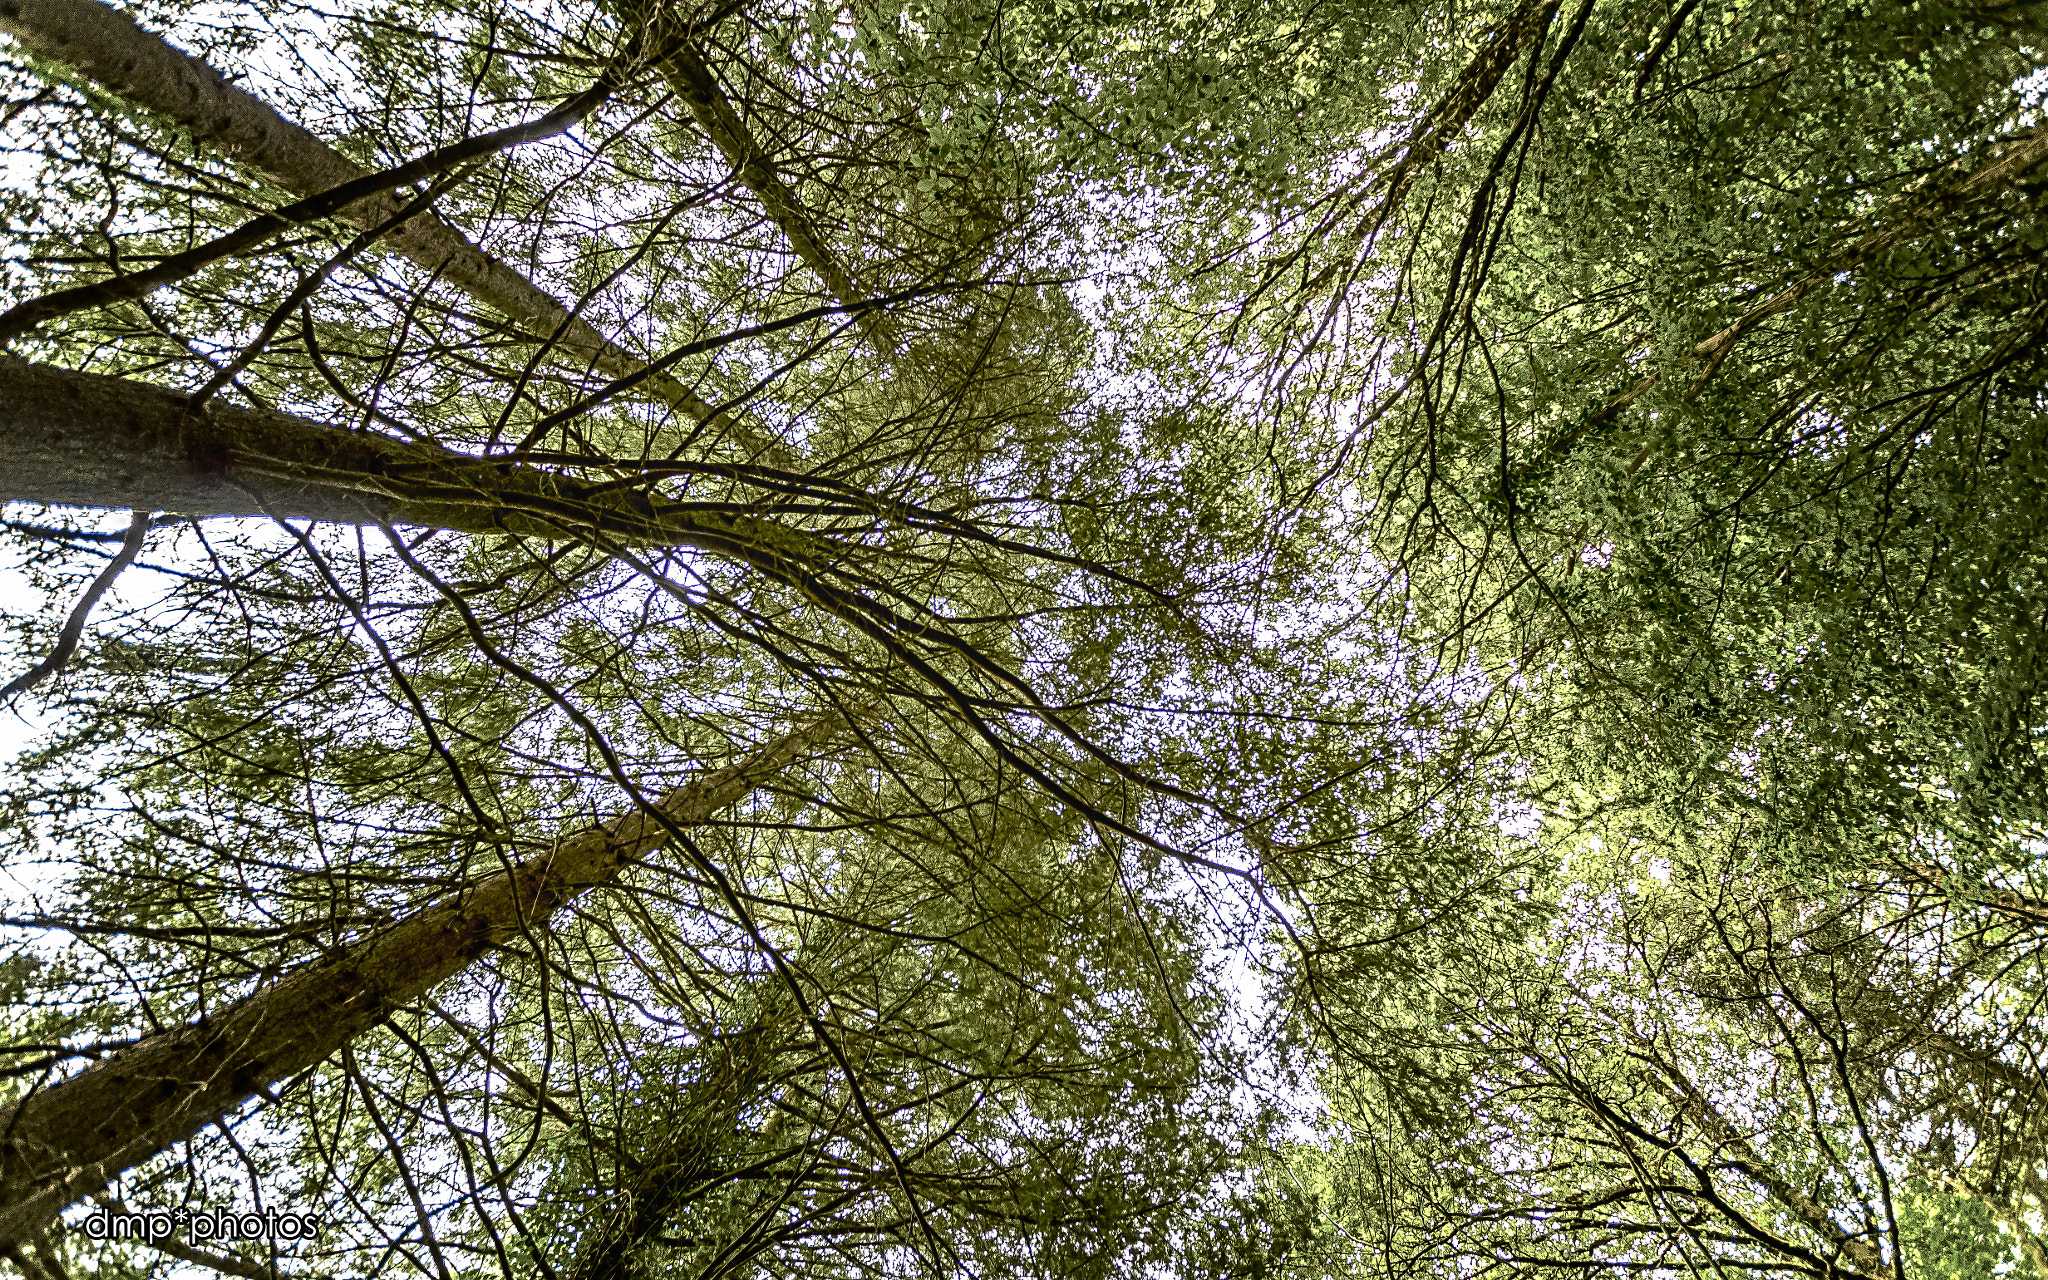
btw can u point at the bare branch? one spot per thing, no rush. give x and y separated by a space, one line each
74 626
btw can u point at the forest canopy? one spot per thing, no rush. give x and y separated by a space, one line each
1050 639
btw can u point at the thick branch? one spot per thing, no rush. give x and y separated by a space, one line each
85 440
80 439
1433 134
67 1141
1905 219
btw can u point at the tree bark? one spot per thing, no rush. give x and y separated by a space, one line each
693 82
69 1140
265 227
81 439
107 47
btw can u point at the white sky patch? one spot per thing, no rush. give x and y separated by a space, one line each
33 873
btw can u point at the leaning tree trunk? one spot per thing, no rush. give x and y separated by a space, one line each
107 47
81 439
69 1140
697 86
86 440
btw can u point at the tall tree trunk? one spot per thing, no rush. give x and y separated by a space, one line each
695 83
107 47
81 439
69 1140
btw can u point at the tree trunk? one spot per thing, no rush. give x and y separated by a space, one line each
69 1140
695 84
107 47
86 440
81 439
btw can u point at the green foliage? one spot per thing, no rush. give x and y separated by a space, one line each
1951 1236
1398 723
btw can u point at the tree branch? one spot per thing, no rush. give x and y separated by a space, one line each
74 626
